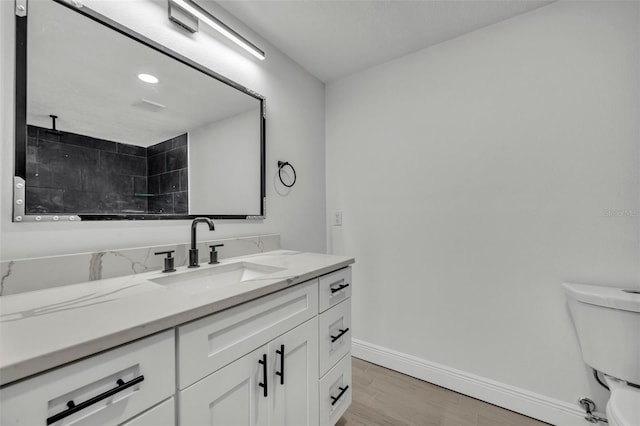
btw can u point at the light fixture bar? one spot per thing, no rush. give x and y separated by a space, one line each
218 25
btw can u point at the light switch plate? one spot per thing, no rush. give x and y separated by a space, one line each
337 218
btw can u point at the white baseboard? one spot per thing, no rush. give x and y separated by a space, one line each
522 401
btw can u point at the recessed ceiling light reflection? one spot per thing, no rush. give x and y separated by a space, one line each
148 78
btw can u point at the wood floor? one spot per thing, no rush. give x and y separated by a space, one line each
386 397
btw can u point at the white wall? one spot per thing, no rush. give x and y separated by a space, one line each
295 132
224 159
476 176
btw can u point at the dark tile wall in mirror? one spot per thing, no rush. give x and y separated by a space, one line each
168 176
72 173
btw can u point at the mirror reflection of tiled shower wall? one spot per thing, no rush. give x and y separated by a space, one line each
72 173
168 176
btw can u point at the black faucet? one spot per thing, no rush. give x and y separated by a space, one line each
193 251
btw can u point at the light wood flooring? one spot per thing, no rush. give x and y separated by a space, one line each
385 397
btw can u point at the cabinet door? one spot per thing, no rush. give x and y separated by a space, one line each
231 396
294 366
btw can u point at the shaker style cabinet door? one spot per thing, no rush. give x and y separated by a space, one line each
294 366
232 396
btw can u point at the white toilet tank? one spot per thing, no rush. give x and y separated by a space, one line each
607 320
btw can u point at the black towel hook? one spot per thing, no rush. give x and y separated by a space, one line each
281 165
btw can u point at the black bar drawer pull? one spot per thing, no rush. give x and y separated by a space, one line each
73 408
337 398
263 385
342 332
339 288
281 372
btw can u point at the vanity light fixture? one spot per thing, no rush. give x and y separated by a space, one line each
207 18
148 78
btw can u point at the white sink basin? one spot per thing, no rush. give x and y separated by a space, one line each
202 280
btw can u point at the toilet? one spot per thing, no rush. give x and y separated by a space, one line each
607 321
623 407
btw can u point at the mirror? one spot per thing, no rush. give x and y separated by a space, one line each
110 125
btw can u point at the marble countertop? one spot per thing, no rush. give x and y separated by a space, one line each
43 329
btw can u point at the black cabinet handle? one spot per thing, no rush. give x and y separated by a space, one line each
342 332
263 385
339 288
73 408
281 372
337 398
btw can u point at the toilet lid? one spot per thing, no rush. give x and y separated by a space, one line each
624 406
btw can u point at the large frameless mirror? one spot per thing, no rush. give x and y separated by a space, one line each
110 125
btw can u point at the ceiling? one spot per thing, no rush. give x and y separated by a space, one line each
334 38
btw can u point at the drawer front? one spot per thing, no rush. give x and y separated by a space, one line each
333 288
47 396
335 392
160 415
208 344
334 335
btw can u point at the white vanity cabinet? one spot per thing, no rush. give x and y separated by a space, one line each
231 364
272 385
280 359
252 364
106 389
